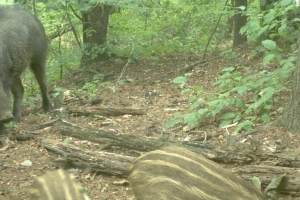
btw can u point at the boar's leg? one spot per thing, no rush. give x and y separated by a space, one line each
38 68
18 92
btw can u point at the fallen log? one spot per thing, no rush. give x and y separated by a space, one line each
109 137
96 161
94 110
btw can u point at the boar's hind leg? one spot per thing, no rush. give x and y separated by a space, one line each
17 90
2 129
39 72
5 111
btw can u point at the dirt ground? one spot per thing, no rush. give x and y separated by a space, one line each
148 86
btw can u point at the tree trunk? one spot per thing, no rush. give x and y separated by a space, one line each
291 115
240 20
95 23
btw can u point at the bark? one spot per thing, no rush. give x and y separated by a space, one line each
95 23
290 119
111 138
239 21
95 161
94 110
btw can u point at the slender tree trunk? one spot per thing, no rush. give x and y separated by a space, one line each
239 21
95 23
290 119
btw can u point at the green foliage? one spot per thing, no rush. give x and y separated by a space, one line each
256 183
277 28
241 98
58 91
144 28
165 27
123 81
90 88
277 23
147 28
270 190
273 186
229 54
30 101
11 125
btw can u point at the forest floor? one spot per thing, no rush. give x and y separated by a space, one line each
148 86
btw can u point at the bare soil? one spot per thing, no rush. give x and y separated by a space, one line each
147 85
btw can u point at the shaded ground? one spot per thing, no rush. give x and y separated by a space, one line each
148 85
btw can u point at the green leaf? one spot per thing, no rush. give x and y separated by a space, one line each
185 91
177 114
268 58
194 105
265 118
282 28
241 89
217 109
213 102
193 98
228 115
274 183
237 118
256 183
201 112
262 30
269 44
286 2
240 103
268 104
225 123
180 80
247 125
173 122
198 89
294 46
228 69
191 118
266 94
242 7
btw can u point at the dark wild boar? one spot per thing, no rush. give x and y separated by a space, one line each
22 43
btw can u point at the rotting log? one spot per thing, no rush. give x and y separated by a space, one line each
96 161
94 110
109 137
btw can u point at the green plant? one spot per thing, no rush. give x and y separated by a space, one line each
278 23
11 125
270 190
30 101
229 54
241 98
